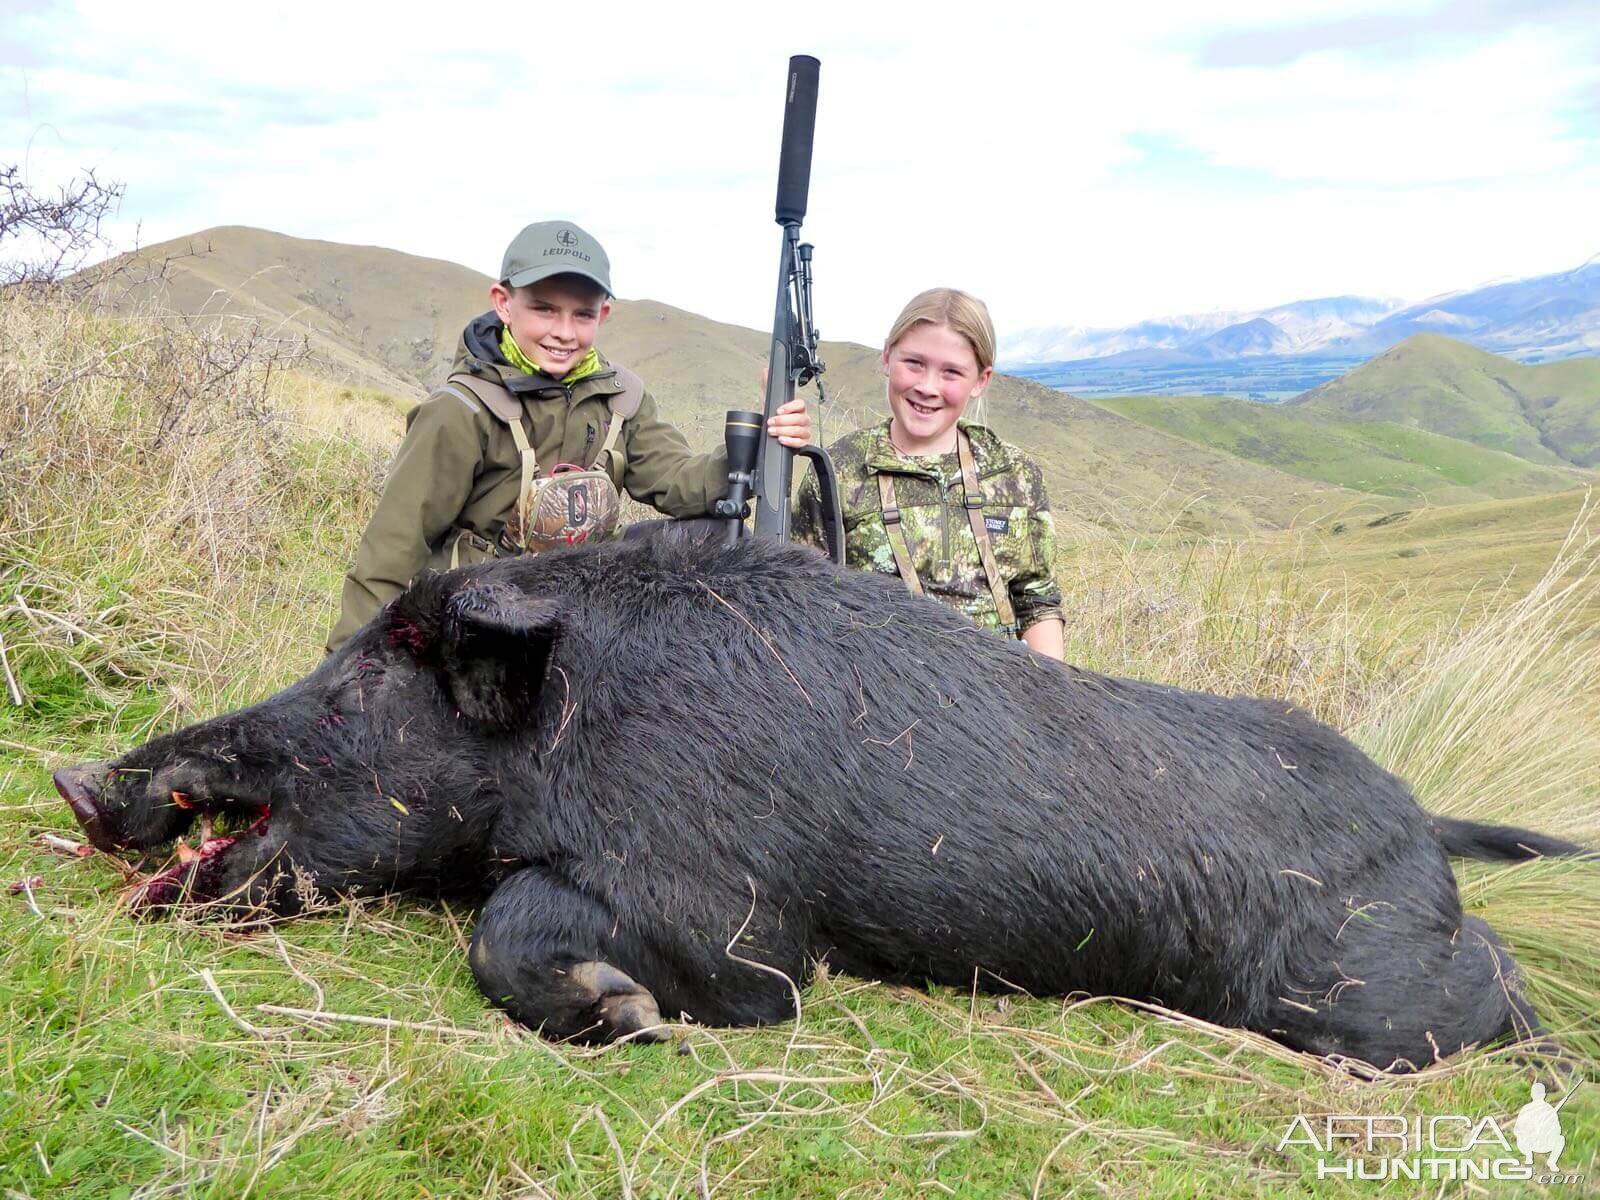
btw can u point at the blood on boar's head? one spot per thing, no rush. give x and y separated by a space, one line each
407 713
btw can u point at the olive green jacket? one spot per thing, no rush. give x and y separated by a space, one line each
455 478
930 497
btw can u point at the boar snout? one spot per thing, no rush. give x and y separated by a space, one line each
81 787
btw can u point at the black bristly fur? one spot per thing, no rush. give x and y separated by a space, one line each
663 741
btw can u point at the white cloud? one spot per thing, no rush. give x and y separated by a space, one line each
1069 166
1481 114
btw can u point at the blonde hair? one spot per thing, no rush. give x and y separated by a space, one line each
965 314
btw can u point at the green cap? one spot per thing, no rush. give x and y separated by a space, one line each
548 248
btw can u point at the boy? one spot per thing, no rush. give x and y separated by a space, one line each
475 477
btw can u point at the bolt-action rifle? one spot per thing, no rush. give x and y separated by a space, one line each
758 464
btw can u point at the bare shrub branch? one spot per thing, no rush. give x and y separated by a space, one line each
47 237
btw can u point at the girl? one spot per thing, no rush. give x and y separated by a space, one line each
939 500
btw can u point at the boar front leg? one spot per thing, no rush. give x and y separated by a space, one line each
551 958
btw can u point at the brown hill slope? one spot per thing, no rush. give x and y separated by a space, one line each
391 320
1548 413
375 316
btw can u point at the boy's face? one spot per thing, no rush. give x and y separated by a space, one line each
554 321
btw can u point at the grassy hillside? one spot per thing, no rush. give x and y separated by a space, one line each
1464 557
391 321
1366 456
1547 414
171 539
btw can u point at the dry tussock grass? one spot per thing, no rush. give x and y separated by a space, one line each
1225 615
163 483
1502 719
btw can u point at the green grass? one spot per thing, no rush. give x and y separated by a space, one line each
1548 413
1447 558
1379 457
153 597
131 1078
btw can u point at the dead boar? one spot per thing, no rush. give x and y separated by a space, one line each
668 765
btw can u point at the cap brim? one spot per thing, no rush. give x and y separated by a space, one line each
535 274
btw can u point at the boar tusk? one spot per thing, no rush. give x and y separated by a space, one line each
60 845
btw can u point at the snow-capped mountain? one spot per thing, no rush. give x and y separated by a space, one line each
1534 319
1301 327
1537 319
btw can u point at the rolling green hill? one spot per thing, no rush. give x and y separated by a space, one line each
1380 457
1547 414
387 320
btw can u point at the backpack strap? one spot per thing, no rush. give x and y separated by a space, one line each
623 405
897 536
530 469
494 397
510 410
974 505
626 402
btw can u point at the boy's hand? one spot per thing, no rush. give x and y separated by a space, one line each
791 424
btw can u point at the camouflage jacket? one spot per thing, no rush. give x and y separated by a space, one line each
930 497
456 477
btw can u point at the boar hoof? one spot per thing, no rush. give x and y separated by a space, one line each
635 1013
622 1006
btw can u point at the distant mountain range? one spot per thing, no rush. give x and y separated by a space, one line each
1533 320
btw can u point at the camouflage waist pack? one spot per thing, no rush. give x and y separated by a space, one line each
564 508
571 503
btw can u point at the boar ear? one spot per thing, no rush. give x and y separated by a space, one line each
495 650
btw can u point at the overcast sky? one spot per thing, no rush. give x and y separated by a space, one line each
1072 164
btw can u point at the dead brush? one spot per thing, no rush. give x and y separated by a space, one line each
151 478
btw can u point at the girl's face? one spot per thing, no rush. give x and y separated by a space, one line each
933 375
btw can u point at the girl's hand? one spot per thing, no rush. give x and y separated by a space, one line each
791 424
